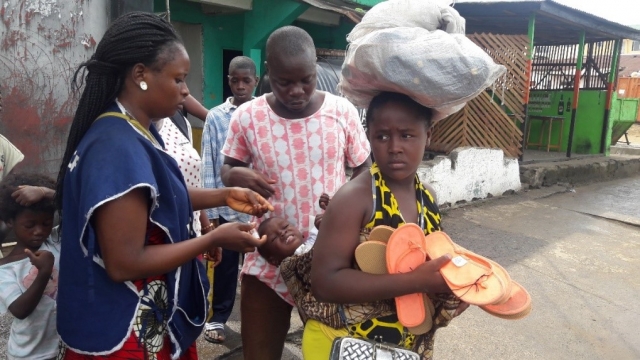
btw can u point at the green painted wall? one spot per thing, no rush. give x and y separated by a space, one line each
589 120
328 37
218 33
245 32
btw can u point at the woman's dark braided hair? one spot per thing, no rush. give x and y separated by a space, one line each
133 38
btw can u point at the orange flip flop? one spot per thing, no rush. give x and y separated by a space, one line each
469 276
501 273
427 324
405 252
371 257
516 307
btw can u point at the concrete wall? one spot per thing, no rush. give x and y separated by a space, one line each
41 44
470 174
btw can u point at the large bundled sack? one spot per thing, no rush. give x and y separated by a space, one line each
429 15
402 46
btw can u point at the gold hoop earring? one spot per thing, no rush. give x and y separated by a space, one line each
143 85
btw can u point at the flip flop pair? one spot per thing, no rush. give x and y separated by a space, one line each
478 280
415 311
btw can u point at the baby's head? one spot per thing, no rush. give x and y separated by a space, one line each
31 224
282 239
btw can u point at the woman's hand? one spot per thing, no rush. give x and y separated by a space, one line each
237 237
247 201
429 277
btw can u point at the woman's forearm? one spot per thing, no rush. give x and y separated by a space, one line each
202 198
350 286
155 260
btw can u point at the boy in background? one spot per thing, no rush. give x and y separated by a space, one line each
224 280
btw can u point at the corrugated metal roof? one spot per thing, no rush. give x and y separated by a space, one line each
555 23
629 64
511 17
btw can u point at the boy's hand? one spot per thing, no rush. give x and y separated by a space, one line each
214 255
324 201
43 261
252 179
317 221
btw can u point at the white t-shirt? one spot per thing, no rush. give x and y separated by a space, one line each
9 156
35 337
181 149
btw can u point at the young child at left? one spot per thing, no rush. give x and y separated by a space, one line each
29 273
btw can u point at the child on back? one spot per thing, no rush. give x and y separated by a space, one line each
284 239
29 274
391 194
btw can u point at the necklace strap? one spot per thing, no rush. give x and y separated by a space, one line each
135 123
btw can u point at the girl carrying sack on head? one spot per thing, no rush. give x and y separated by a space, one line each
411 67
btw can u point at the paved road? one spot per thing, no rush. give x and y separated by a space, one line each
578 254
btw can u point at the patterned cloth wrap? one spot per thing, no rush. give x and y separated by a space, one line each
363 319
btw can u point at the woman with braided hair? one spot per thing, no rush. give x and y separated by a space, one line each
130 285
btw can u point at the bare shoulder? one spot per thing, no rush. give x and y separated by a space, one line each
354 197
431 190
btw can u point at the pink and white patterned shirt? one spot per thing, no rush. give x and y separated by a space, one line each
306 157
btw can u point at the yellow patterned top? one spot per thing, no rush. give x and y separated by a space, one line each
386 212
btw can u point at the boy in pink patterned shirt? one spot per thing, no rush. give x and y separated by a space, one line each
297 141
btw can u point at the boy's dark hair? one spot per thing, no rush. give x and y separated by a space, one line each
242 63
133 38
9 208
290 41
386 97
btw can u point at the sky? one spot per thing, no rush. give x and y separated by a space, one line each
626 12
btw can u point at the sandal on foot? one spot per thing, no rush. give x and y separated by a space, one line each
405 252
214 333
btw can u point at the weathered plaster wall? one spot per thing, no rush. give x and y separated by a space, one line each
41 44
470 173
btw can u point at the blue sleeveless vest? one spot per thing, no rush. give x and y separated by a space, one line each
96 314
